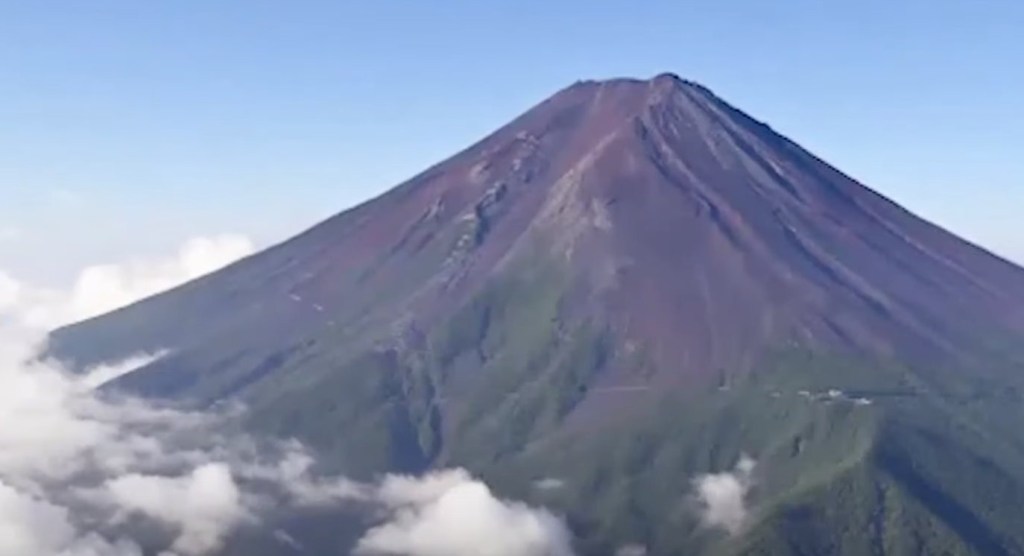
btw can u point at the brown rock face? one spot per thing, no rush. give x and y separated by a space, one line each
629 286
684 226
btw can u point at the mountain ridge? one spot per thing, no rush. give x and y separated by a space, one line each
633 256
628 105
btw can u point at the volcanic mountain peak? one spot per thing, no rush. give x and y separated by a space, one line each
701 233
660 82
631 283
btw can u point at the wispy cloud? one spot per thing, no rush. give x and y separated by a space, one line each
97 376
10 233
549 483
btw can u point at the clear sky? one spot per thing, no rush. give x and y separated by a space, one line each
126 126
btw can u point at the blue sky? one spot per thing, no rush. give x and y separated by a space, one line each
167 119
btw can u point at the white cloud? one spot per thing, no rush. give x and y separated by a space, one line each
103 288
51 410
76 464
204 505
10 292
448 513
723 496
30 526
23 516
99 289
293 470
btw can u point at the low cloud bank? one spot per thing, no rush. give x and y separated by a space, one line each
102 288
723 496
81 471
90 474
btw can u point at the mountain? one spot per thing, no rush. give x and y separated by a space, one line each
628 286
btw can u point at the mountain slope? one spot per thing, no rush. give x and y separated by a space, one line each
628 285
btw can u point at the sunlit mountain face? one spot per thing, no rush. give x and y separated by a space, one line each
660 325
